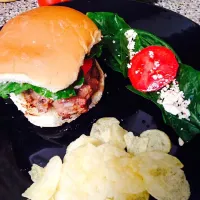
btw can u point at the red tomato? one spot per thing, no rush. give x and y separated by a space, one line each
153 68
50 2
87 65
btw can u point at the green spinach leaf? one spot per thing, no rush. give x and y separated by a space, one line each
109 23
148 39
189 83
17 88
114 42
116 54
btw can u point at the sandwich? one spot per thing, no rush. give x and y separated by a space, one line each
45 65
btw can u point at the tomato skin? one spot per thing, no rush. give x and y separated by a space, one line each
87 65
50 2
153 68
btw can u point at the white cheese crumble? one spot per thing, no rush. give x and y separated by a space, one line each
173 101
160 76
129 65
155 77
180 141
137 71
151 54
131 36
156 64
152 87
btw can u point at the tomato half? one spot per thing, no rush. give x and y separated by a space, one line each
153 68
50 2
87 65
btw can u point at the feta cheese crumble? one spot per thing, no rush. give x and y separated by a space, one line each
152 87
173 101
137 71
151 54
129 65
131 36
180 141
157 76
156 64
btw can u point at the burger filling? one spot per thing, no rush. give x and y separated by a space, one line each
74 105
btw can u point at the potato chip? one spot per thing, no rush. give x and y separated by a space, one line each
140 196
107 121
135 144
83 140
108 130
156 159
158 140
46 185
97 172
36 172
166 183
162 175
97 167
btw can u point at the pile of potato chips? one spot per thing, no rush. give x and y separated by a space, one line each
98 167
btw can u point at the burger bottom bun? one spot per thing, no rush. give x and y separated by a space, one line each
51 118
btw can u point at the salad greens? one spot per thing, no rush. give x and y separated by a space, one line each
17 88
185 129
115 44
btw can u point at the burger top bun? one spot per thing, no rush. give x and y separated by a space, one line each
46 46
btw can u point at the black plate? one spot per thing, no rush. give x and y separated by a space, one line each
22 144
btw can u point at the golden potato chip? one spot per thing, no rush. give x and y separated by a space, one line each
162 175
45 187
157 140
166 183
108 130
135 144
140 196
36 172
97 167
107 121
156 159
83 140
97 172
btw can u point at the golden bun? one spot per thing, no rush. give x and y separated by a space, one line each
51 118
46 46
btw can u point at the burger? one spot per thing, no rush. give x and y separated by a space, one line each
45 65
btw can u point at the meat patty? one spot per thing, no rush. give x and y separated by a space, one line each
73 105
67 107
85 92
35 100
92 79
